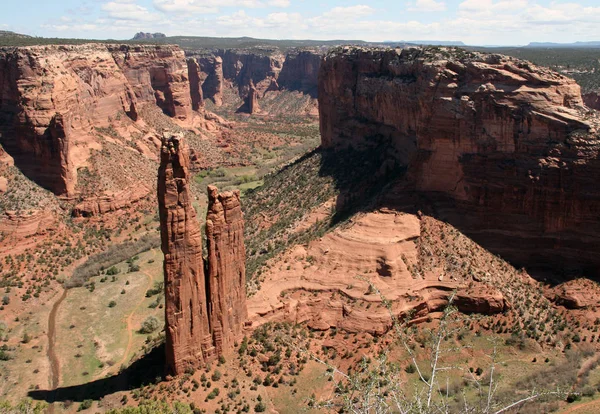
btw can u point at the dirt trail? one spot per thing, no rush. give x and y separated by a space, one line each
130 328
52 356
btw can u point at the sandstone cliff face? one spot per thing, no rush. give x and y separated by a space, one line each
300 72
505 150
195 84
52 98
592 100
226 267
205 314
242 67
186 309
269 70
157 74
212 79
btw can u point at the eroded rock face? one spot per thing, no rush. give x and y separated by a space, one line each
300 72
212 82
205 314
250 105
226 266
592 100
52 98
157 74
195 84
506 150
188 336
243 67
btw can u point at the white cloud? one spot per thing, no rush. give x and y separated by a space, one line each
129 11
279 3
174 6
427 6
212 6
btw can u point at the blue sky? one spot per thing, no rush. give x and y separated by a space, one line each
507 22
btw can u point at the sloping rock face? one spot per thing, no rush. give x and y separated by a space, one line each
52 98
188 336
205 314
226 266
503 149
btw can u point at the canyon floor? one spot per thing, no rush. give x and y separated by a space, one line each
329 260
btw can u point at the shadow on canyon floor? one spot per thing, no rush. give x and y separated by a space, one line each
148 369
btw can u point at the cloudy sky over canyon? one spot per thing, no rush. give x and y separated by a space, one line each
482 22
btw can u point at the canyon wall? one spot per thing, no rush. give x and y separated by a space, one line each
592 100
501 148
53 97
268 70
300 72
204 313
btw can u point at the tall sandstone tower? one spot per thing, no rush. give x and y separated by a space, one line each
226 266
203 315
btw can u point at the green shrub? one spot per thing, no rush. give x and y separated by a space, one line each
150 325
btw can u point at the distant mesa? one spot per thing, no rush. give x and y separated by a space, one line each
8 33
143 36
593 44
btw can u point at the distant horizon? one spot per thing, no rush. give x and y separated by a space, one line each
474 22
458 43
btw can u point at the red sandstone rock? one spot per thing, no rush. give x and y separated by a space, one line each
503 140
52 98
195 84
212 78
111 202
592 100
157 74
250 101
300 71
204 314
188 334
226 266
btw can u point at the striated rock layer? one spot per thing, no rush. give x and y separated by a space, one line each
226 266
204 313
53 97
503 149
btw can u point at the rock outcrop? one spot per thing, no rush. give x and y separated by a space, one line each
300 71
204 313
592 100
268 69
53 97
212 83
226 266
188 336
157 74
242 67
504 150
110 202
250 105
195 84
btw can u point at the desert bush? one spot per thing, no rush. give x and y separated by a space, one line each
150 325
